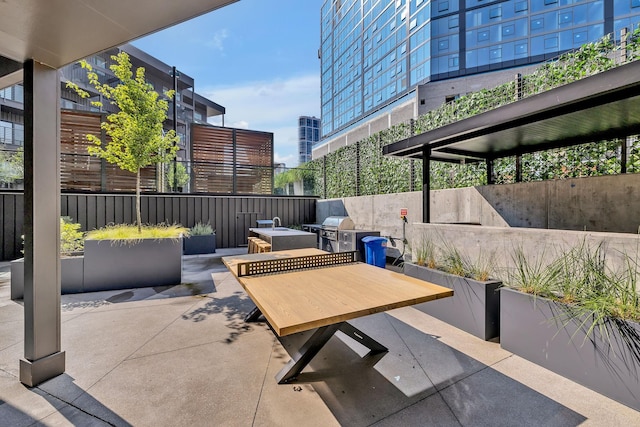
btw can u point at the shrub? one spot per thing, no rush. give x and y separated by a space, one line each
201 229
71 238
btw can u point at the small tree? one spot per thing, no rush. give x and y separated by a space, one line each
11 166
176 175
137 138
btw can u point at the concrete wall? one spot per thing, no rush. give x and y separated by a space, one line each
594 204
538 245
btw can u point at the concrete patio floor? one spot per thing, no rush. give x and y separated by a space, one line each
174 356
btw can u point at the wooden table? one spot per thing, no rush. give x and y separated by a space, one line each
325 298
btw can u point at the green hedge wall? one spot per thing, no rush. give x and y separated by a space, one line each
361 169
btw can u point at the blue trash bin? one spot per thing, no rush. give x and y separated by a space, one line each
375 250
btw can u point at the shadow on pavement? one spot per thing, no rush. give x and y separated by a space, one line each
446 386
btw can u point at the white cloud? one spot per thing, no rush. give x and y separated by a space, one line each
217 42
270 106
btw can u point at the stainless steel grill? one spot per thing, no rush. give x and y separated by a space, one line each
338 234
329 232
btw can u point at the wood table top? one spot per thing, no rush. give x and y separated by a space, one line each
301 300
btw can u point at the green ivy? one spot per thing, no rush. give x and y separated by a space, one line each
361 169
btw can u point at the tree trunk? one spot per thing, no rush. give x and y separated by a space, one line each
138 216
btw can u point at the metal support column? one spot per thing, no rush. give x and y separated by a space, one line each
426 184
357 168
624 151
519 168
490 179
43 358
174 75
235 163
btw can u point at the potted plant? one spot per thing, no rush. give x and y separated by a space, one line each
71 261
120 257
577 316
475 304
201 240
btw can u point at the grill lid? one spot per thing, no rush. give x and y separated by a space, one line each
338 223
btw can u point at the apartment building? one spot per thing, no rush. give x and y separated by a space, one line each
385 62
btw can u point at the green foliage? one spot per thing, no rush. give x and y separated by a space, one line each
445 256
201 229
425 251
304 173
633 44
380 174
71 238
129 234
11 166
181 175
580 276
136 130
590 292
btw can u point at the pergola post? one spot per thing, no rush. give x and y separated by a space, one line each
426 184
43 358
490 179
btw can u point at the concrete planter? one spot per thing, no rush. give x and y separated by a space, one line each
474 306
195 245
150 262
538 330
71 276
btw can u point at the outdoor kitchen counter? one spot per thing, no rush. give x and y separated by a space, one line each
282 238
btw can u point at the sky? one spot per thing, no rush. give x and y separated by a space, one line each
256 58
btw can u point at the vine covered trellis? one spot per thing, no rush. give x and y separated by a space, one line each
361 169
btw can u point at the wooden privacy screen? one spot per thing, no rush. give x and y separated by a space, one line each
231 161
80 171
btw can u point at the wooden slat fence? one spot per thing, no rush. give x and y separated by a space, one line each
81 172
230 216
232 161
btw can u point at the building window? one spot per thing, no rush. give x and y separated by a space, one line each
548 2
443 6
522 6
454 22
495 54
565 18
483 35
508 30
551 43
496 12
453 62
635 3
537 24
443 44
521 49
579 37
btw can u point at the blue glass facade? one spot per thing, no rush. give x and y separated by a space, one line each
375 51
308 135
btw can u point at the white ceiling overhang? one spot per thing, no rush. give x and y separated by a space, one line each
58 32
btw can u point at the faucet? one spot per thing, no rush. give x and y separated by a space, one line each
273 223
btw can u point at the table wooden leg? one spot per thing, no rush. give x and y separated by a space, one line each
253 315
364 339
306 353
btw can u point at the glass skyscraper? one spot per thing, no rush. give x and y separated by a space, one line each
308 135
375 52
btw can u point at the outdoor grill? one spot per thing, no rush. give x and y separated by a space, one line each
329 232
337 234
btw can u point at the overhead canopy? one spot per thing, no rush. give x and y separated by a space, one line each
601 107
58 32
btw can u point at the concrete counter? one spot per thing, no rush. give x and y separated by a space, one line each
282 238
